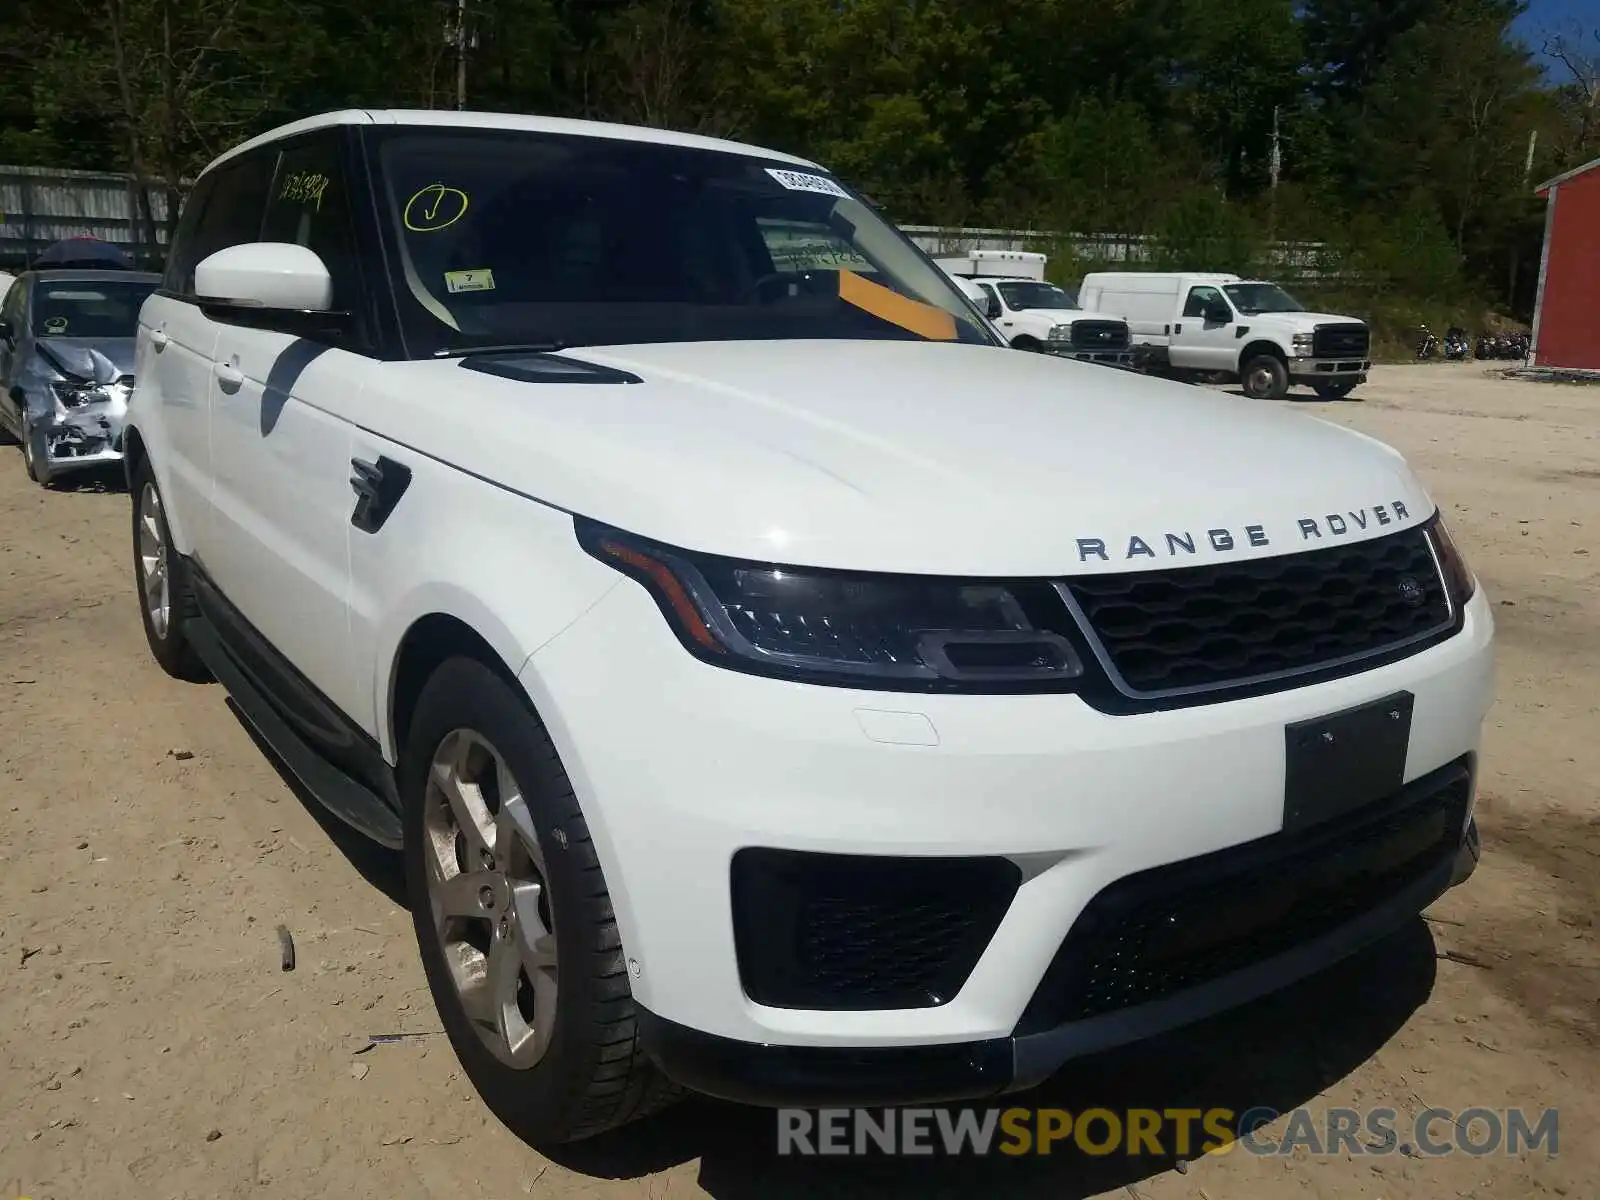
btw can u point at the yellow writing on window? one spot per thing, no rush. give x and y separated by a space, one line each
434 207
304 187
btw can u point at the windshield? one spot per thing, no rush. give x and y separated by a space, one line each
508 238
1036 295
89 308
1262 298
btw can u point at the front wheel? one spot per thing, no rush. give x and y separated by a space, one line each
1030 344
35 459
1265 377
512 916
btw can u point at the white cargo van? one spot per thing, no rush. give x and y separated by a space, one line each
1250 329
1032 314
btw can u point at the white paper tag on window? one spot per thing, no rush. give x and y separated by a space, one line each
800 181
469 281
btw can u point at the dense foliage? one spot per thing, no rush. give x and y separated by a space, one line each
1404 125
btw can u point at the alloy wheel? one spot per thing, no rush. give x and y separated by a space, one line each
490 903
153 564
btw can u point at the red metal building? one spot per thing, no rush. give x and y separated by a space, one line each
1566 315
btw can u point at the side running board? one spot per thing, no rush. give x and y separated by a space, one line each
353 803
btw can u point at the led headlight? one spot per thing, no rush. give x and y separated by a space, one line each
886 632
75 395
1459 580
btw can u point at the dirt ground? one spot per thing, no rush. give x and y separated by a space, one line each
150 1045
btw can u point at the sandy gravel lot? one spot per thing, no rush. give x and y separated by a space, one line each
150 1046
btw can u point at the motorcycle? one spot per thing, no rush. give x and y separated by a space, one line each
1456 348
1427 345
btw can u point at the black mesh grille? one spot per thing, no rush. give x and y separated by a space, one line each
835 931
1099 335
1210 626
1340 341
1159 932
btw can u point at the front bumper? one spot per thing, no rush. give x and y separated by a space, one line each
1329 370
1109 358
680 765
79 438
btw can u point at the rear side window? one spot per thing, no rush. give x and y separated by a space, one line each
309 205
230 214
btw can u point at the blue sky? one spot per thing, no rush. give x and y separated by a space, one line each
1545 15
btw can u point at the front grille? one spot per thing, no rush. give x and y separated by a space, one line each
1341 341
1100 335
1223 624
1155 934
842 931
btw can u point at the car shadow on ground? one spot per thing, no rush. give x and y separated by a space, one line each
1278 1053
378 865
91 479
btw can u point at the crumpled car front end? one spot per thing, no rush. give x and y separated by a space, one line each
77 400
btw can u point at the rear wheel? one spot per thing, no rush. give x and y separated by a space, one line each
512 916
165 598
1265 377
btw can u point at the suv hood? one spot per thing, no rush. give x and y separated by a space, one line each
904 456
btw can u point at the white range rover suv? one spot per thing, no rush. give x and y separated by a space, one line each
757 710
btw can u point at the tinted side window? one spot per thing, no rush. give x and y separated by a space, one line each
231 214
310 206
180 256
1199 298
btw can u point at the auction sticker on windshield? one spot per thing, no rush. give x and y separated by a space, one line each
470 281
800 181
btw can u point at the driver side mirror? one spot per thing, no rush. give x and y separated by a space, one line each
269 285
994 311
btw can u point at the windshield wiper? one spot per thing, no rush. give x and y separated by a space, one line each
547 347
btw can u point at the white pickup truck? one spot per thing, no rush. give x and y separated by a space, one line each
1035 315
1250 329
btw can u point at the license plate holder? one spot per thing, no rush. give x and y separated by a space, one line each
1343 761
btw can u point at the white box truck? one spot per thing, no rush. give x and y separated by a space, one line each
1035 315
1250 329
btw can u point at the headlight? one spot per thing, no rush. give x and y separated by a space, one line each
885 632
1458 578
1060 333
1303 343
76 395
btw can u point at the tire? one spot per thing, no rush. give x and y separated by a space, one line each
1265 377
556 1065
164 616
1333 391
33 461
1030 344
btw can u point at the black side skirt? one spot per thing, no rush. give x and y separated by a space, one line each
332 758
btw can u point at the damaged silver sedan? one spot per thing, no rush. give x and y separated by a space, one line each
66 365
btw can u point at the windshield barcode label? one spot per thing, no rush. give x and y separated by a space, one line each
799 181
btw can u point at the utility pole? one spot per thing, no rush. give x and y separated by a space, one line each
1276 167
458 33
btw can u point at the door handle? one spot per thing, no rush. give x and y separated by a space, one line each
158 340
228 376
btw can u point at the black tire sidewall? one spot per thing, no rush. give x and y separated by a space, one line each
1280 384
543 1103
